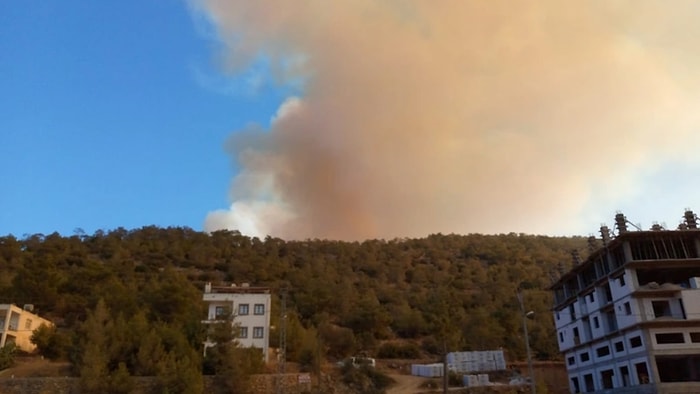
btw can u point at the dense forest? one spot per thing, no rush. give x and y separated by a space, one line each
128 303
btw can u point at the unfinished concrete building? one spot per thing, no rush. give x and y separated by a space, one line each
628 317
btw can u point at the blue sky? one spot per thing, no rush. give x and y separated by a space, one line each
115 113
395 119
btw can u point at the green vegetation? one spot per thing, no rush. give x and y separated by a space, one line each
128 303
7 356
365 379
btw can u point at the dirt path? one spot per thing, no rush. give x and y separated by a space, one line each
36 367
406 384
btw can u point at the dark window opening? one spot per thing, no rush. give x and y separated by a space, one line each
607 293
576 387
625 374
618 257
663 248
606 378
571 360
695 337
585 357
588 381
588 276
678 368
596 324
669 337
628 308
661 308
611 321
622 280
635 342
642 373
679 276
619 346
603 351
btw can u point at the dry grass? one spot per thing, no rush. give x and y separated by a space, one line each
36 366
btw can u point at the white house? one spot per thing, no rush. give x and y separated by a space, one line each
17 325
250 309
628 317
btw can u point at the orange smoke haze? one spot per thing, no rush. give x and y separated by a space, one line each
458 116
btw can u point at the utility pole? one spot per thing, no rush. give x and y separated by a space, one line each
445 380
282 350
527 340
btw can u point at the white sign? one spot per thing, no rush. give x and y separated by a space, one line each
304 378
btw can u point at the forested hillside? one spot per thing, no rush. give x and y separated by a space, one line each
343 297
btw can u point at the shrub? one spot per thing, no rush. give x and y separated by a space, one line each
365 379
398 350
7 356
50 343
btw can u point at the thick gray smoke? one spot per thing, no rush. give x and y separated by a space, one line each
460 116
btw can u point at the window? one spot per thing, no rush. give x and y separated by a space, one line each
596 323
669 337
561 336
603 351
220 311
258 332
677 368
619 346
243 309
243 332
584 357
642 373
571 360
635 342
661 308
695 337
588 380
606 378
625 373
611 322
591 298
557 316
572 312
608 293
259 309
622 280
28 324
574 383
628 308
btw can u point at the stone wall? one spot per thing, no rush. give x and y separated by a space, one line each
260 384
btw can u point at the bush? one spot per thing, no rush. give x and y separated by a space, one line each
365 379
7 356
50 343
431 345
397 350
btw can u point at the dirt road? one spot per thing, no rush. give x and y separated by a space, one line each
406 384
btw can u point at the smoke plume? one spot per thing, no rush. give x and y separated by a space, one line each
459 116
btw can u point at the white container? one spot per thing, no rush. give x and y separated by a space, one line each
470 380
483 379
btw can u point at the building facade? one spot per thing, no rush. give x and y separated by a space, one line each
628 317
247 307
17 325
